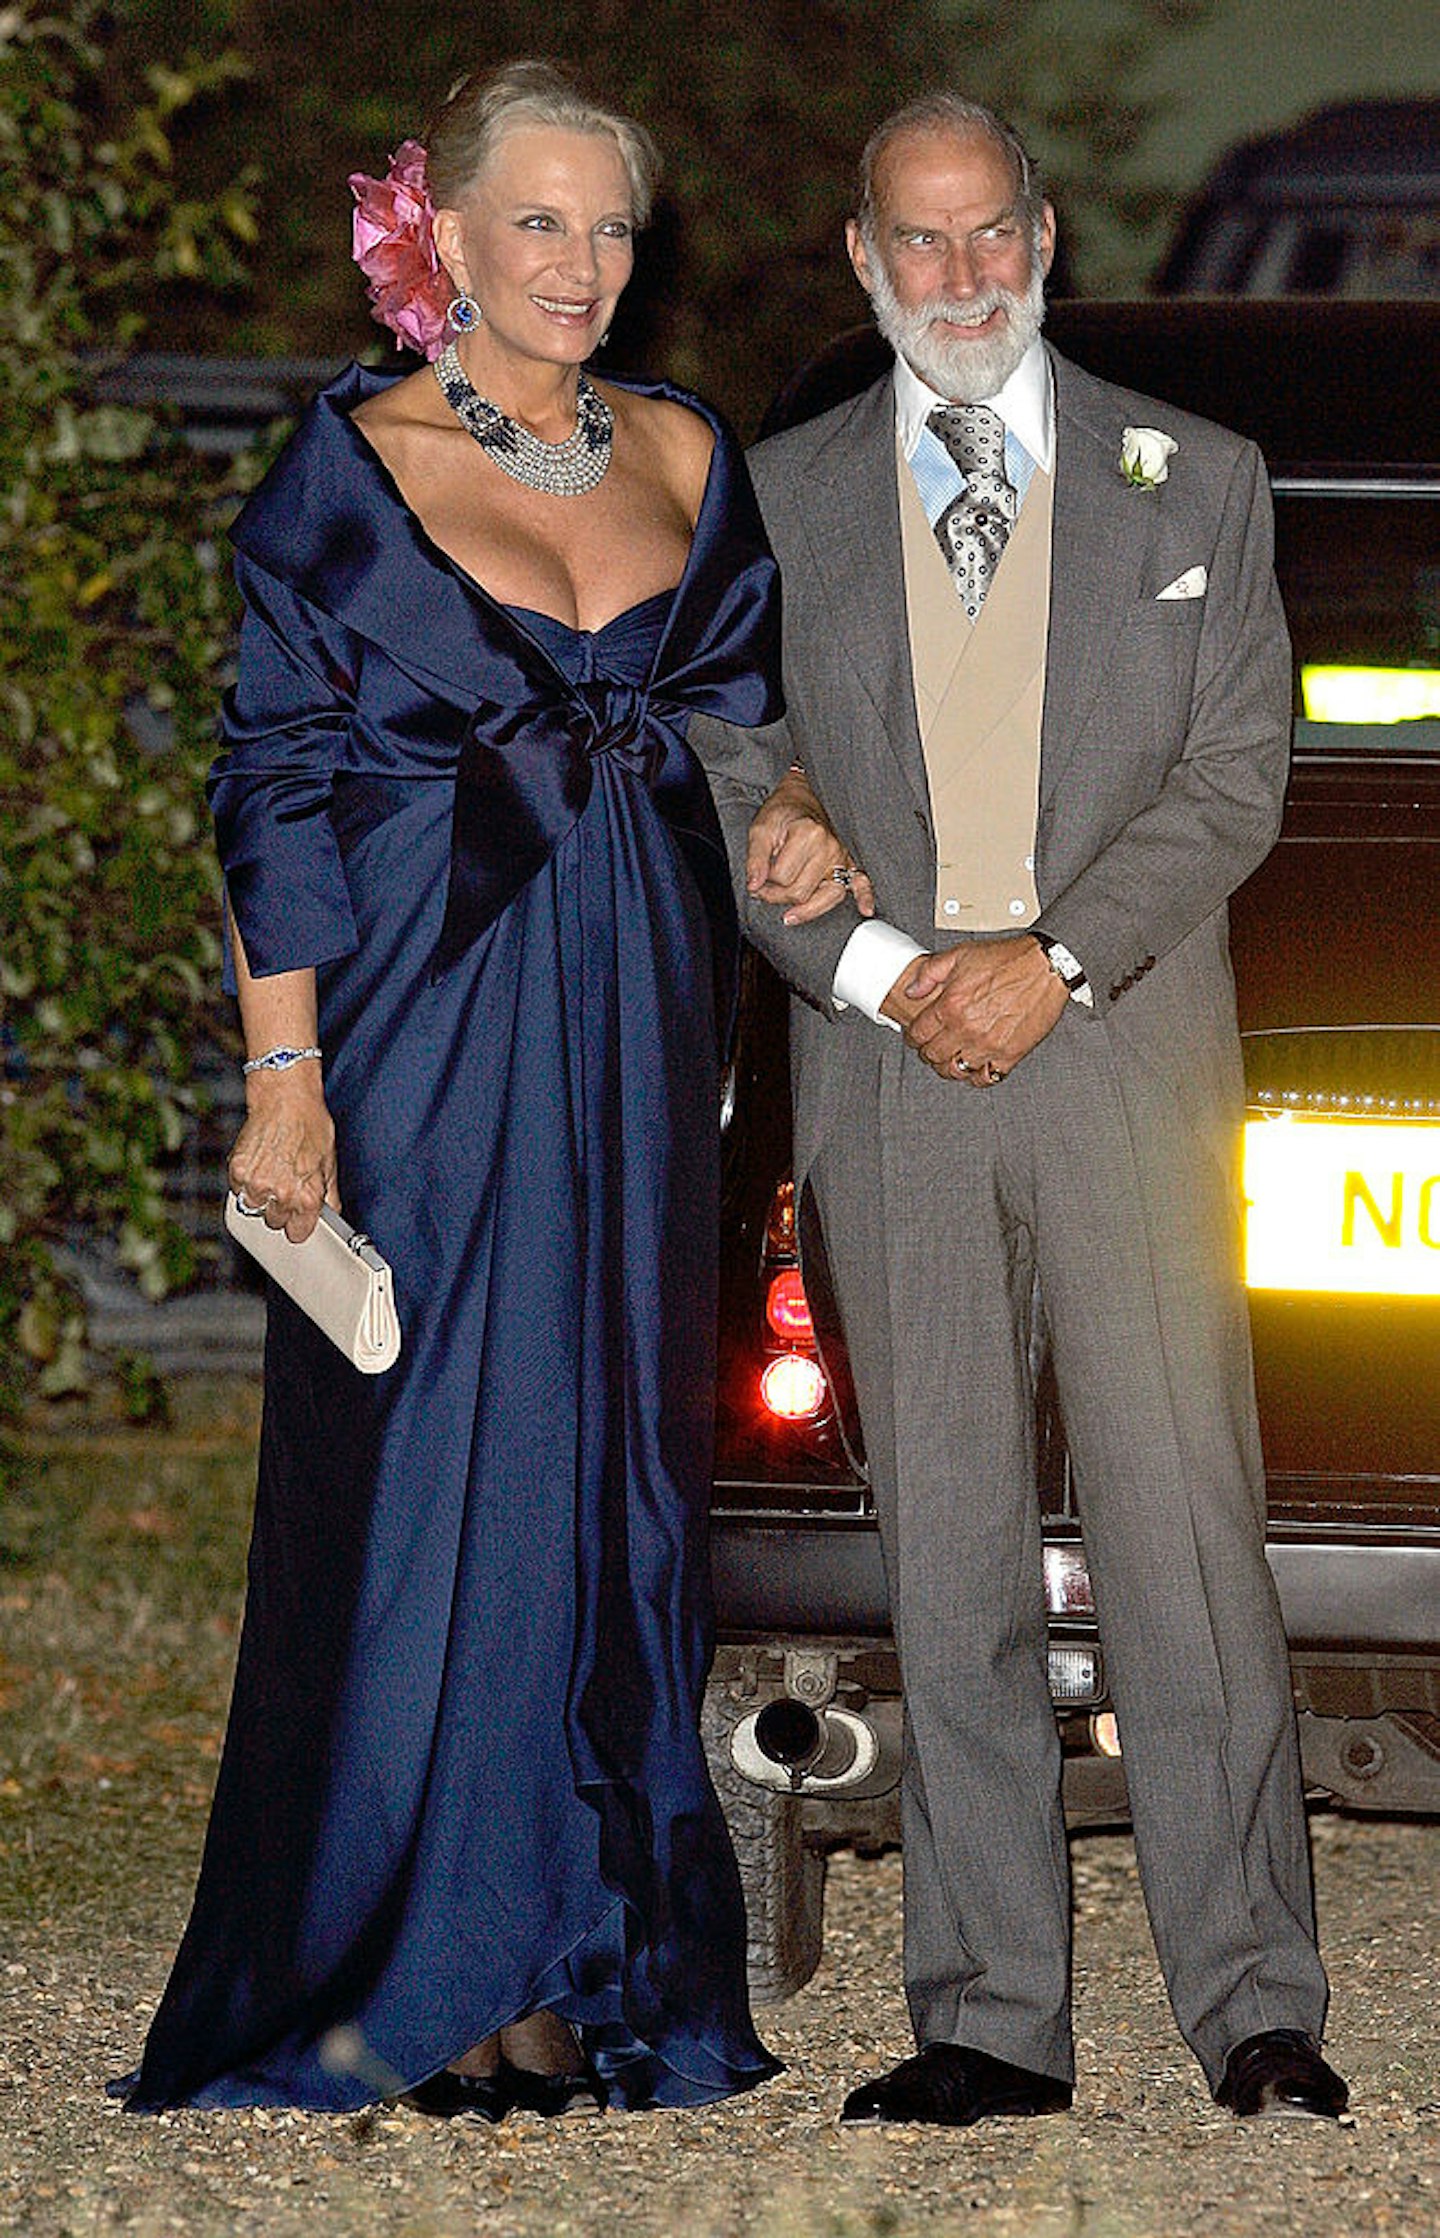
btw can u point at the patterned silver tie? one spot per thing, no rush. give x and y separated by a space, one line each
973 528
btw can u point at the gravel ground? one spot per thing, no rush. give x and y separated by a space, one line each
1145 2155
120 1561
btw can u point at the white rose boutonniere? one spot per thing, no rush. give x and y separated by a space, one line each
1144 453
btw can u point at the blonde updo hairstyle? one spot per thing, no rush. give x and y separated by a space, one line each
479 111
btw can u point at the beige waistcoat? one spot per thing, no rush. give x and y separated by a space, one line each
979 701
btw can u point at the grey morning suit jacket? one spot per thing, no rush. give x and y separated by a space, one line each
1163 758
1165 739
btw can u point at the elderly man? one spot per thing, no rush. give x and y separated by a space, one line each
1037 674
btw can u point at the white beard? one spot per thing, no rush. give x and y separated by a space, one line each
964 371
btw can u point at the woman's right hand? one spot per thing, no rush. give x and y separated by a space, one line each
284 1155
795 860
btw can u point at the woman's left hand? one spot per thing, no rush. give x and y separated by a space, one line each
283 1162
795 860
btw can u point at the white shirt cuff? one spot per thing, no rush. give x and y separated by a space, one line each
870 963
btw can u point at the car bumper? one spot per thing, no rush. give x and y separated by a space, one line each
1351 1591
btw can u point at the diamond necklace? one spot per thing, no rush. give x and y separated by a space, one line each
565 469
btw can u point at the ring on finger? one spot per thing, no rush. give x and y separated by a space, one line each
251 1211
993 1074
843 875
959 1062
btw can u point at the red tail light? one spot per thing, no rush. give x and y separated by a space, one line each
787 1309
793 1386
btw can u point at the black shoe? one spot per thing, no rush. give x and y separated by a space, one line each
447 2094
534 2093
1281 2072
955 2085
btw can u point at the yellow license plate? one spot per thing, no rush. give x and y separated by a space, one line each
1343 1204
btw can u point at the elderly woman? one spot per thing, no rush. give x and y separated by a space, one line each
464 1842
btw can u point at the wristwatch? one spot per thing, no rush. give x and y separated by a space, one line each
1067 968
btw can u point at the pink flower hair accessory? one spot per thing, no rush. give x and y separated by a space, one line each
394 245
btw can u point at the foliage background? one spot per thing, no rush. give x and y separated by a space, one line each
118 628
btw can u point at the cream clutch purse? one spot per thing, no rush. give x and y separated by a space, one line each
336 1276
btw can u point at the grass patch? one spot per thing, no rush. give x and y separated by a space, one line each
122 1564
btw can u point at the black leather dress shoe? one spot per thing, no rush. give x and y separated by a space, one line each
532 2093
1281 2072
447 2094
955 2085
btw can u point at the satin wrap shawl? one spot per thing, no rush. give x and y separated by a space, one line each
334 567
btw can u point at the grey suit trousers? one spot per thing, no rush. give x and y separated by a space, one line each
945 1200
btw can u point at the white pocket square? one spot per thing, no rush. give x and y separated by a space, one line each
1189 585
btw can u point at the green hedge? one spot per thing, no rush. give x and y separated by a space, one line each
117 627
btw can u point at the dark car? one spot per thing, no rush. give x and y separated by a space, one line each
1336 942
1345 203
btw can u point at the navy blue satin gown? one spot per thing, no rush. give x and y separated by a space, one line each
462 1777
